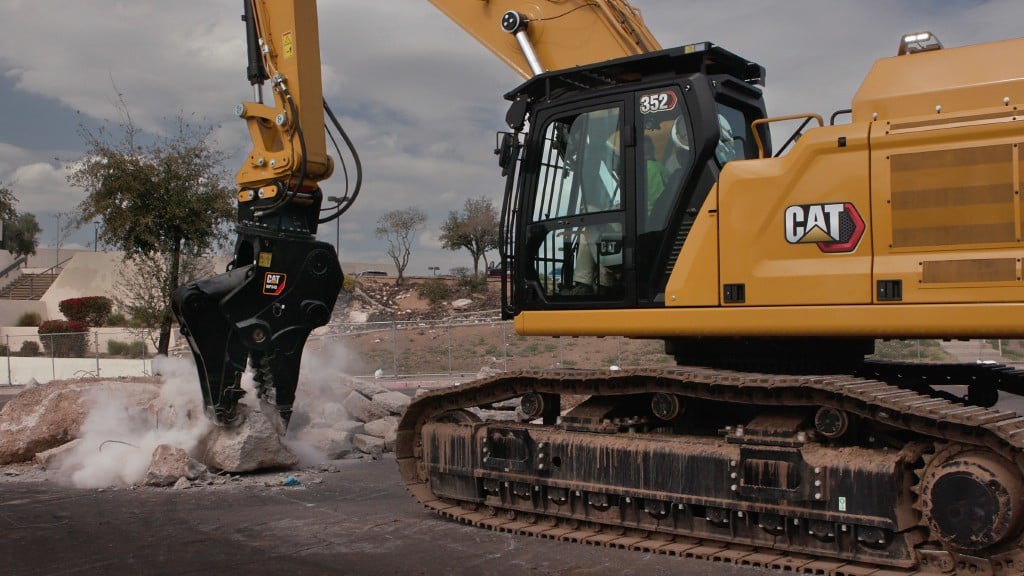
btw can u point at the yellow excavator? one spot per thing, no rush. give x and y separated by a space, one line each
644 198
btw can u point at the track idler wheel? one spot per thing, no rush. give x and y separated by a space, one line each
971 499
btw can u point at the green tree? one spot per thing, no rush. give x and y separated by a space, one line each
7 202
21 235
170 197
20 231
475 228
398 227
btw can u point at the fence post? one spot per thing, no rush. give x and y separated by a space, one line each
10 382
97 342
53 357
394 347
451 365
504 345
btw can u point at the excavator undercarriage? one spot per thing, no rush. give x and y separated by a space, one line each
816 474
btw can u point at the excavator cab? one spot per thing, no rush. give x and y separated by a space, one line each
619 157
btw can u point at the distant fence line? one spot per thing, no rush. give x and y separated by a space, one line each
457 348
97 353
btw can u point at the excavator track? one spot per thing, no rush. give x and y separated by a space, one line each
832 475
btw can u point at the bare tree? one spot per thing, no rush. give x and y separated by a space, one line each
144 285
398 228
475 229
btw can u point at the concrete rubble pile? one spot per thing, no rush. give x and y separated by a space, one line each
364 422
49 416
44 424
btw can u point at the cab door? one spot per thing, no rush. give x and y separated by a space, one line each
575 236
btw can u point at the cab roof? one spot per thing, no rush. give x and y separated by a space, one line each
703 57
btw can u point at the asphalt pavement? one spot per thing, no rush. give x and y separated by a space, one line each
355 518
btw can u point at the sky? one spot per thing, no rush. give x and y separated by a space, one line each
419 97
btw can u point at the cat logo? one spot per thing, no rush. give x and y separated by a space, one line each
273 283
835 228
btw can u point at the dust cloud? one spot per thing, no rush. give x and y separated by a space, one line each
319 417
118 436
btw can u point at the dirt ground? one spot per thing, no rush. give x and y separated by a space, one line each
346 517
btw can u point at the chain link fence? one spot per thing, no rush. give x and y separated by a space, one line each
456 349
45 357
467 347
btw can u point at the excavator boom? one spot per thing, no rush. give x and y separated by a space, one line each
563 33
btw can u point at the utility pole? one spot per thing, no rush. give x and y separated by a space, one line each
57 263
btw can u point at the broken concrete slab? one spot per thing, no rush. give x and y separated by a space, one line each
462 304
51 458
391 403
50 415
169 463
368 444
254 444
363 409
329 443
382 427
367 388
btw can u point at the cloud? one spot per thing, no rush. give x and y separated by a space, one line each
40 186
419 97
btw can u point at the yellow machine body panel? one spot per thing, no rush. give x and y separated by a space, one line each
914 87
700 286
867 321
776 214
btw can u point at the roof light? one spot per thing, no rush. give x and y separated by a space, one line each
918 42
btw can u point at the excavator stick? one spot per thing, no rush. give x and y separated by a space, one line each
282 283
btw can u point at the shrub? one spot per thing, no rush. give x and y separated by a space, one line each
64 338
472 283
116 319
29 348
135 349
349 284
29 319
90 310
435 290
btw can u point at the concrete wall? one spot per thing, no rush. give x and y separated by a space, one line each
15 371
86 274
11 311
